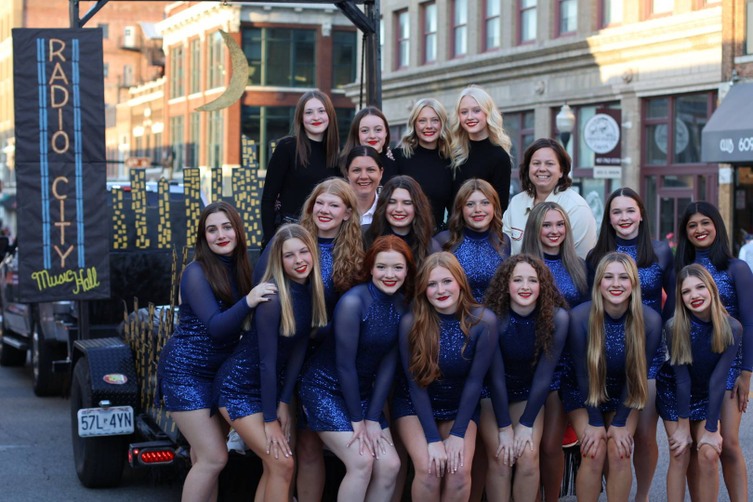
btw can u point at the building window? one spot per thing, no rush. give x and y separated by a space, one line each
662 6
105 30
381 44
195 48
280 56
492 24
127 78
194 131
176 72
157 149
527 20
520 127
265 125
105 69
216 64
749 28
402 39
177 141
459 28
568 16
215 138
429 17
611 12
343 58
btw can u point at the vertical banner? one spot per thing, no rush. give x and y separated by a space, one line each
63 225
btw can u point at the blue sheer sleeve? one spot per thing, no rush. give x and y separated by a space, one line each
667 264
497 386
347 321
382 385
653 327
196 291
744 289
578 344
442 238
261 263
434 246
545 366
682 378
486 337
293 368
267 322
419 395
718 380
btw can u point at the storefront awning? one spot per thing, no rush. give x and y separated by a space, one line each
728 135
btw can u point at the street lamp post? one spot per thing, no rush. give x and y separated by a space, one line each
565 123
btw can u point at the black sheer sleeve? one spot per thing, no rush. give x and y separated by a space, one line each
283 159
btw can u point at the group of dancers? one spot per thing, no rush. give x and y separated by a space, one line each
465 352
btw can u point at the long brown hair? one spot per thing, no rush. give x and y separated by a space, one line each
423 219
423 338
390 243
456 223
331 136
214 270
635 339
679 326
498 298
347 254
532 242
276 272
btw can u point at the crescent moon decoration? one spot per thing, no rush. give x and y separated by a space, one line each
238 78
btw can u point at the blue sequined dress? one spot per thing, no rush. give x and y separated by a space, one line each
736 292
463 363
478 256
696 390
526 378
207 333
614 345
264 367
349 377
574 297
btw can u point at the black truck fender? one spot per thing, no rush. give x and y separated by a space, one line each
112 370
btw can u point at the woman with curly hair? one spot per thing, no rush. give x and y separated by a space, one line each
480 145
611 340
703 239
532 332
548 236
331 215
424 155
446 345
403 210
345 386
255 385
475 234
370 128
703 341
545 176
624 228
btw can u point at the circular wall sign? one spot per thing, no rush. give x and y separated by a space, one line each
601 133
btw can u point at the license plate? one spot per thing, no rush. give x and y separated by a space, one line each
113 421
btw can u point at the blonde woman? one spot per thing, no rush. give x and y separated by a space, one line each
331 214
703 341
256 383
480 145
424 155
611 338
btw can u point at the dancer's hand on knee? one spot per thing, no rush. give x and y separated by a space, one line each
437 458
506 446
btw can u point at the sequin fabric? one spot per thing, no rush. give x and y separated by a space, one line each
518 344
479 260
239 380
320 390
727 294
651 280
614 344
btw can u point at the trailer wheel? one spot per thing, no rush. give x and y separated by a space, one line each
10 356
99 461
46 383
